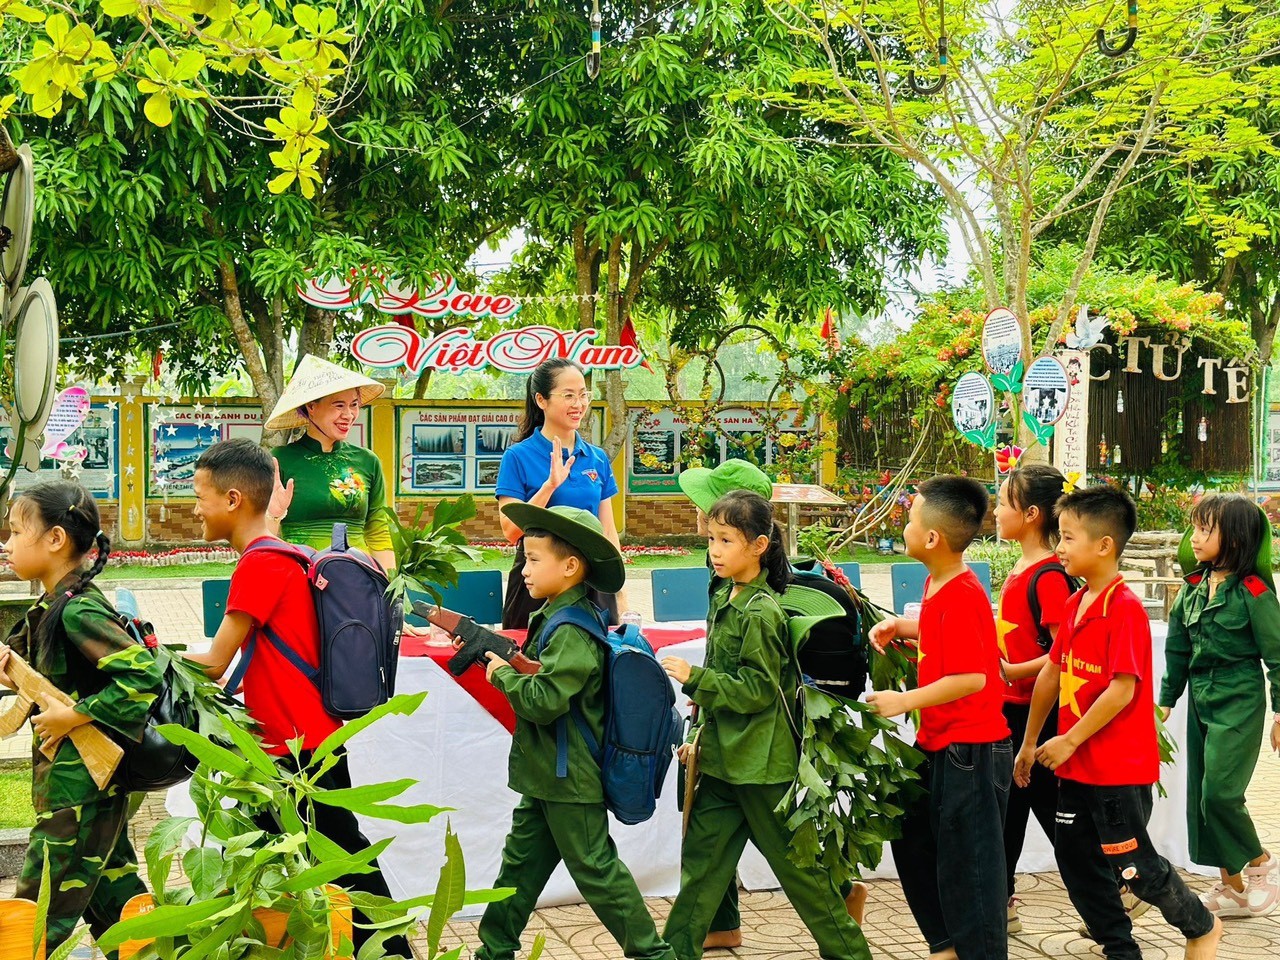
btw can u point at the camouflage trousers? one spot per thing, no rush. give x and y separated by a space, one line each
93 870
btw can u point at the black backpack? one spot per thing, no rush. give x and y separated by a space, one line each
834 656
153 763
1043 637
359 627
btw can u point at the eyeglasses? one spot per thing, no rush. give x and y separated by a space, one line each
569 397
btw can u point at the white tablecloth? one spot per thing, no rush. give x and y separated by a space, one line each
458 753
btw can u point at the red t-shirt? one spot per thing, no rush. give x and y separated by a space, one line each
1016 632
958 635
272 589
1112 638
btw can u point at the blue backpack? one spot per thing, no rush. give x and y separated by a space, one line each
359 628
642 726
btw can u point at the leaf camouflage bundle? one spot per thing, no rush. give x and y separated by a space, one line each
850 793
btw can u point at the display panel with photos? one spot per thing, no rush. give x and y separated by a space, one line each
99 471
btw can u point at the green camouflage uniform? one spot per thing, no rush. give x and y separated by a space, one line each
93 870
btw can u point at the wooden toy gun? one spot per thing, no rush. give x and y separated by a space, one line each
101 754
476 641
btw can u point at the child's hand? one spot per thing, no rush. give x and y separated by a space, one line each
1275 735
496 663
677 669
683 751
55 720
883 634
4 668
1055 752
887 703
1164 713
1022 765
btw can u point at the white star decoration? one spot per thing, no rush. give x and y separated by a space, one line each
171 430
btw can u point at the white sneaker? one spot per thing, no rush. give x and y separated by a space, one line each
1223 901
1262 888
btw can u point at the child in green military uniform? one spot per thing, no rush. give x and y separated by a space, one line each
561 814
748 743
1225 622
72 638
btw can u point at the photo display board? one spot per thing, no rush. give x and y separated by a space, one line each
99 470
179 434
659 442
452 450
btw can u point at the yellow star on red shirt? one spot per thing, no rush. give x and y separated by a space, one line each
1003 629
1069 686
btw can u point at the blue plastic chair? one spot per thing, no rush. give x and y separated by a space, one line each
214 596
854 572
478 595
908 584
680 593
909 578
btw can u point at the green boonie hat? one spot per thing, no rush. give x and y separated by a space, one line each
806 608
580 529
1262 567
704 487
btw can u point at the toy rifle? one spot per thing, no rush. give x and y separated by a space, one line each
689 773
476 641
101 754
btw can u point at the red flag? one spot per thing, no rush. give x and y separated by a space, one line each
627 338
829 333
156 363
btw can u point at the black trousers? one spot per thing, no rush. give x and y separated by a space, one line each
517 604
1039 798
950 858
1102 837
342 828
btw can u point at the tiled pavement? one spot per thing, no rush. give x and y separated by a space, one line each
770 927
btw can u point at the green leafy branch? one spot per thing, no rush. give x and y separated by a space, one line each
850 791
426 554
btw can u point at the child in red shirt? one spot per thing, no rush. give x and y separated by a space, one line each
951 858
1031 603
1105 753
233 483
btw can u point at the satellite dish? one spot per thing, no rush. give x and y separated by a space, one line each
35 355
17 214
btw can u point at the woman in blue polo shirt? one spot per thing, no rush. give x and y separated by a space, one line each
550 465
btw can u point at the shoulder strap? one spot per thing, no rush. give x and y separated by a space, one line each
284 549
286 651
1255 585
595 627
1043 637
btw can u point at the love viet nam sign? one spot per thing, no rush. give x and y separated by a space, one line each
512 351
442 300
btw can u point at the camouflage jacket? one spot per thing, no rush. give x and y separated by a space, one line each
94 661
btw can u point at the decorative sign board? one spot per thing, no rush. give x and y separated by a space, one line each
96 435
512 351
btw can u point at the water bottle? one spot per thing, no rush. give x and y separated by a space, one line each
632 618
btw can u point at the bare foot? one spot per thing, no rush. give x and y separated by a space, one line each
722 940
1206 947
856 901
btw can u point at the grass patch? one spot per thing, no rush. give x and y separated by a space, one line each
179 571
15 800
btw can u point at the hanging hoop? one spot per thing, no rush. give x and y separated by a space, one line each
1130 36
927 89
593 58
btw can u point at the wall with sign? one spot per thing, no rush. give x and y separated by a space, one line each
179 434
660 439
99 472
448 450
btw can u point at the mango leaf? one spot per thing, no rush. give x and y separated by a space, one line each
167 921
205 869
374 793
215 756
331 871
450 890
403 705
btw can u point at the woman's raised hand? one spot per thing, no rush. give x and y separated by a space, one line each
559 470
281 494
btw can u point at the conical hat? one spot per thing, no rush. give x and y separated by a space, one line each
314 379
